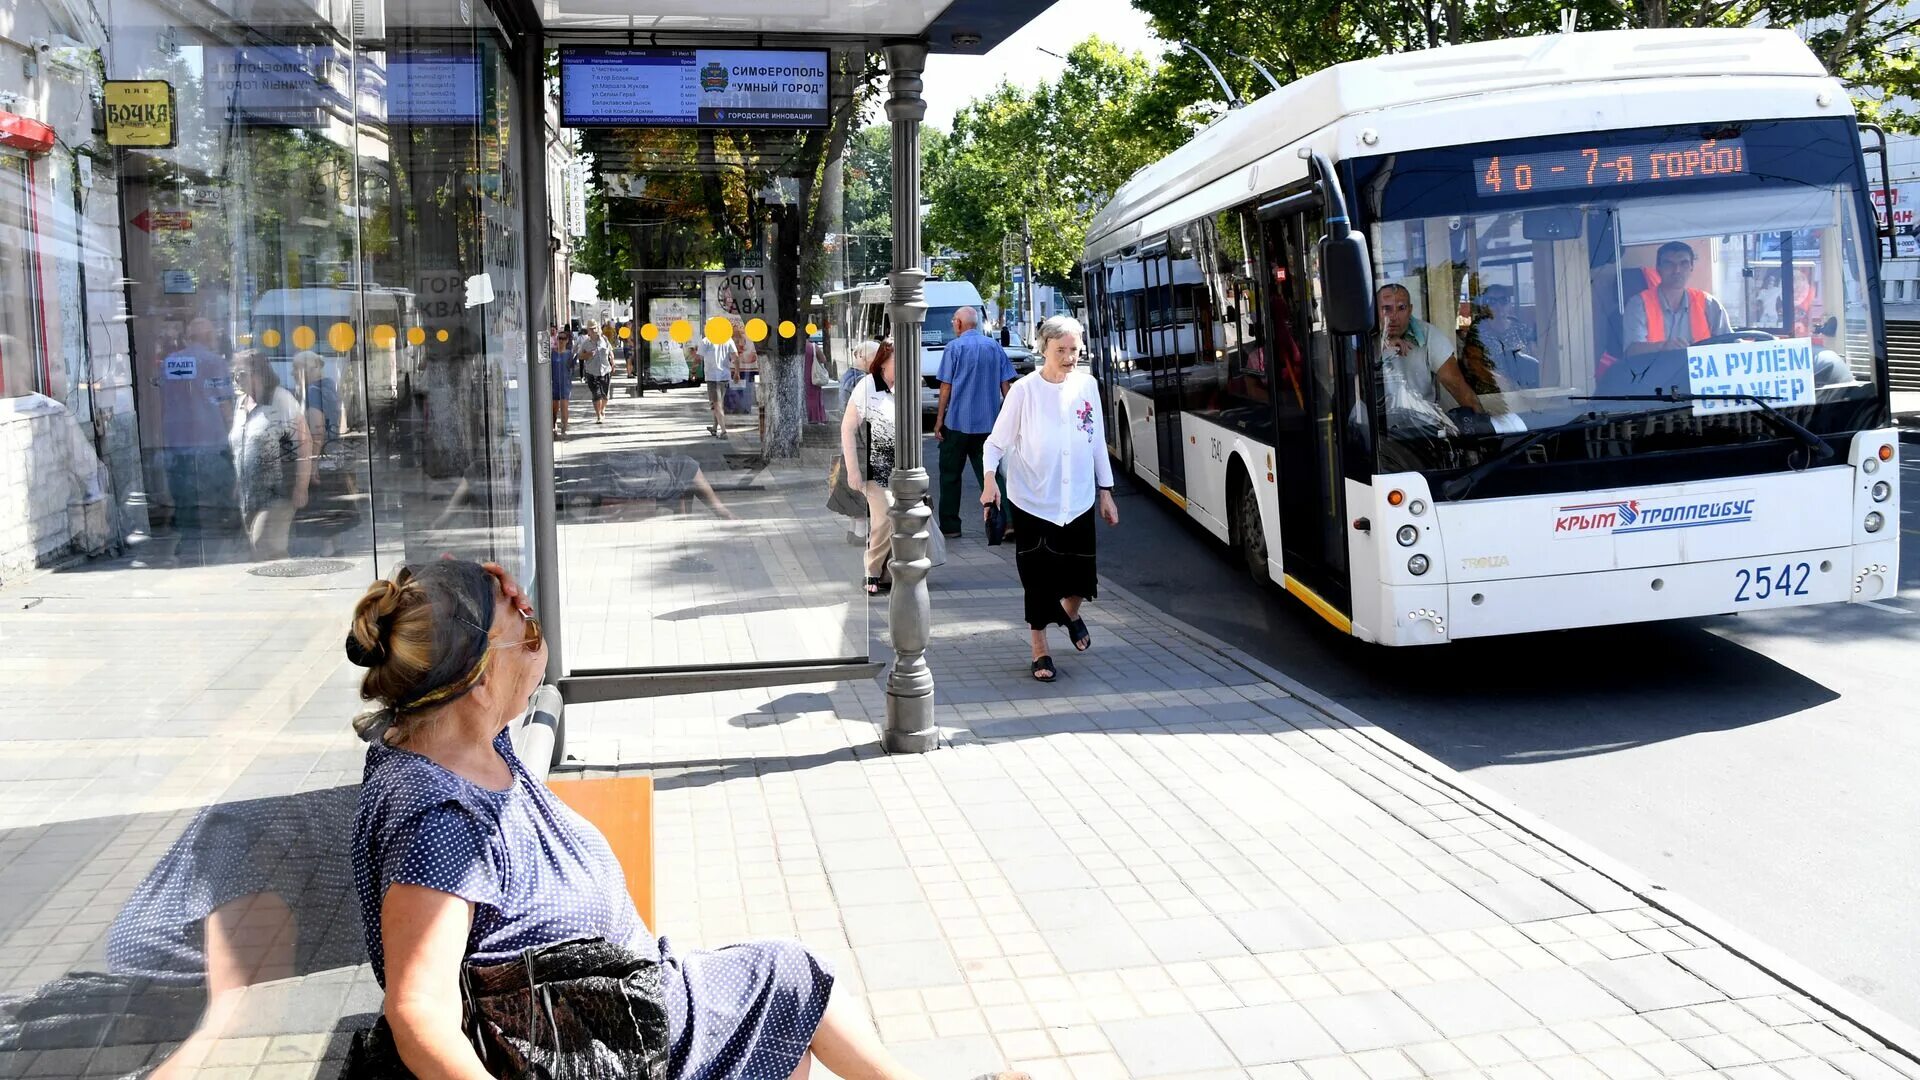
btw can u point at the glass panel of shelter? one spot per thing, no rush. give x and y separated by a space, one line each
693 527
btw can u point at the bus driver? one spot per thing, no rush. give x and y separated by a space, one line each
1669 315
1418 359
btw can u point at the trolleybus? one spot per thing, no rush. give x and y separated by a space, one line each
1399 333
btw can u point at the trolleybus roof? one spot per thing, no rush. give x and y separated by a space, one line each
1378 84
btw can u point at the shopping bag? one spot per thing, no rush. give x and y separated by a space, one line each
841 498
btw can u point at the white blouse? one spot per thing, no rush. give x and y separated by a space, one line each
1052 437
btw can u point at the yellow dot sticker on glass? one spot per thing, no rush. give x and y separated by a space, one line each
303 337
440 335
416 335
812 329
340 335
626 332
270 338
787 328
383 336
719 330
681 331
756 329
650 332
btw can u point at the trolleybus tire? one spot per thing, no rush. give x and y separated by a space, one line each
1249 535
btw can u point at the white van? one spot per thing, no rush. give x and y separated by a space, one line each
862 313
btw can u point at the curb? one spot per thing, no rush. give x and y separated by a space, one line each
1896 1034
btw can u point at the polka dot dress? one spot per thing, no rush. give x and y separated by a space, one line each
537 873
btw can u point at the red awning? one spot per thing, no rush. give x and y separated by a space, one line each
23 134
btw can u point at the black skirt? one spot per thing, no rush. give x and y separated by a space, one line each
1055 561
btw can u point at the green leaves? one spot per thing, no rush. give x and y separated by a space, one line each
1868 43
1044 161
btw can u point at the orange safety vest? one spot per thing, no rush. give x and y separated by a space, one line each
1657 316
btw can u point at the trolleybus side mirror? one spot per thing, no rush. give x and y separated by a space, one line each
1347 284
1346 274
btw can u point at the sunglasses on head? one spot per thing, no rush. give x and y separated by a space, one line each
530 638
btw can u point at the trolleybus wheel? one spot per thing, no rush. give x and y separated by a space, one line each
1253 536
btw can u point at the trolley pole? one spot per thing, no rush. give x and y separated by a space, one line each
909 722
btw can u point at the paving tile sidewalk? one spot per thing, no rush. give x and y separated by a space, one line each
1161 865
1164 865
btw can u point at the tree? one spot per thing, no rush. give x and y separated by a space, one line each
1045 161
868 230
1867 43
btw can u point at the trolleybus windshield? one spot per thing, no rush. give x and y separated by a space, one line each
1537 283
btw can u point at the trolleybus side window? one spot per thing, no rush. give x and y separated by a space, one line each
1234 299
1198 367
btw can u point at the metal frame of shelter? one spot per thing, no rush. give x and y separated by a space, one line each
965 26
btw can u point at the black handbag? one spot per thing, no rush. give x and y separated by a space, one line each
585 1008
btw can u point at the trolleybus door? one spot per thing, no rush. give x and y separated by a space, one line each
1306 399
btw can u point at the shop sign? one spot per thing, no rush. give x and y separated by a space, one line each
140 112
176 282
742 294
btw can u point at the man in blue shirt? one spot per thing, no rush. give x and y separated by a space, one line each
974 376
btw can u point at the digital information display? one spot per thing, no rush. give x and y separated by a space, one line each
1609 166
433 86
693 87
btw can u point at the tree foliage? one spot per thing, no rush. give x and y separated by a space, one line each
867 237
1045 160
1871 44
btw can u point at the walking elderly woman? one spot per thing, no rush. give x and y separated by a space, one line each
1051 437
461 857
867 445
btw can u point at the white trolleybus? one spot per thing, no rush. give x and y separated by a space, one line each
1515 336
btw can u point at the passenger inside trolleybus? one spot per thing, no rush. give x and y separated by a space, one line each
1578 251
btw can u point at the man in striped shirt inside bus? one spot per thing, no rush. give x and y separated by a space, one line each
1668 315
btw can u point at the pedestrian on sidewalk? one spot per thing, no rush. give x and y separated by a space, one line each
746 366
867 442
596 363
818 378
974 376
716 366
562 368
1049 435
463 859
274 452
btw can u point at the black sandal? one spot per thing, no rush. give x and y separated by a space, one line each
876 587
1045 664
1077 631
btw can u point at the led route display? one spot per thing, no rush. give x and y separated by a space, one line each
1608 166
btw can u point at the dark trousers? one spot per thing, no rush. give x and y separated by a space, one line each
958 449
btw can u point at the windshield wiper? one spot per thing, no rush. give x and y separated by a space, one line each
1460 486
1814 443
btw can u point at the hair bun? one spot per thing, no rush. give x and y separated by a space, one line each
364 655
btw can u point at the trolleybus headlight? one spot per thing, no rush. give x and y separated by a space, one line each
1874 521
1408 536
1418 565
1417 507
1882 491
1870 466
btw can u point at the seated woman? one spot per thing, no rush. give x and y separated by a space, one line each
459 855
